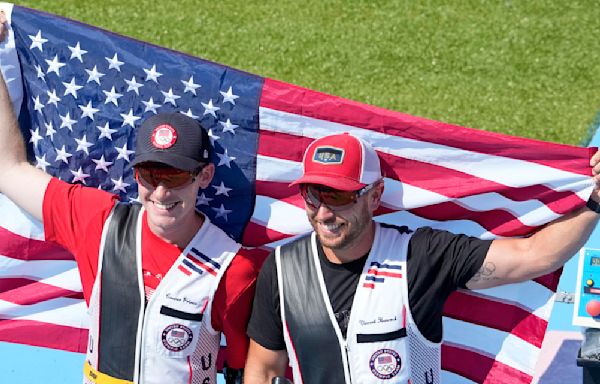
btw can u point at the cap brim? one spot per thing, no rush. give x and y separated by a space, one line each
335 182
170 159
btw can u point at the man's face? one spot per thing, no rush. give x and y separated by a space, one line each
345 227
169 196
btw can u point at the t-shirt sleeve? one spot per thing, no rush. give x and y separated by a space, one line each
439 262
265 325
70 209
233 304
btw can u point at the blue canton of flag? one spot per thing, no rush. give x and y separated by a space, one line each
88 91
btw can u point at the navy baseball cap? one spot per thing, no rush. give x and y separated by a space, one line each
174 139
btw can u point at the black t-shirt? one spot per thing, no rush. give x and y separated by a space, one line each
438 263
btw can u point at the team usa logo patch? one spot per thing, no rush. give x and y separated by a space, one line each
385 363
164 136
328 155
177 337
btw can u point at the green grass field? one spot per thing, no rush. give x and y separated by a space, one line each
527 68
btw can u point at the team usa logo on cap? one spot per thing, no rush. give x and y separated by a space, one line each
164 136
328 155
177 337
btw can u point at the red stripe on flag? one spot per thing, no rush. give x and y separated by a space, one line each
301 101
550 280
44 335
18 247
368 285
515 320
480 368
24 291
256 235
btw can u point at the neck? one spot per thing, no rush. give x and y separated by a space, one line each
182 234
354 250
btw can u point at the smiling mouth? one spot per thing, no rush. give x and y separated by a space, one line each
165 207
330 228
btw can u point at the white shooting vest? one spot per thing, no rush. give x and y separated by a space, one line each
171 338
383 344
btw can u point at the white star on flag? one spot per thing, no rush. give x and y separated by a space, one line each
77 52
124 152
189 113
170 97
129 119
38 106
229 97
67 122
133 85
152 74
79 175
203 200
88 110
40 72
221 212
112 96
83 145
120 185
72 88
221 189
41 162
210 109
37 41
228 126
35 136
114 63
94 75
150 106
190 86
50 131
62 154
106 131
53 99
102 164
212 137
54 65
225 159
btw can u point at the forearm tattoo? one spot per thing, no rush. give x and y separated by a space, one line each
487 272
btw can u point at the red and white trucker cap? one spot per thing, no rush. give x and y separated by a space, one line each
341 161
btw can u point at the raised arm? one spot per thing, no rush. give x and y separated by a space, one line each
19 181
264 364
514 260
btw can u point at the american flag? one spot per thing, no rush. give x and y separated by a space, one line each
85 91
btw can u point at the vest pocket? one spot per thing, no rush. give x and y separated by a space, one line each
376 337
178 332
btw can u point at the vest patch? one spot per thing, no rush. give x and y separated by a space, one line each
385 363
177 337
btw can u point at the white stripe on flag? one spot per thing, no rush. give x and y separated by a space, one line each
60 311
496 168
18 221
500 345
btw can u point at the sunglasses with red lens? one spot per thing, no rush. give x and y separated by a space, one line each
334 199
168 176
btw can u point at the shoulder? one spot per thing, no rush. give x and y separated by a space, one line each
59 191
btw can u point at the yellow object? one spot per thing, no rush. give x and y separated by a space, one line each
101 378
589 282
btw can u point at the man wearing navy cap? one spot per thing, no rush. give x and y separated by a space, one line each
161 281
361 302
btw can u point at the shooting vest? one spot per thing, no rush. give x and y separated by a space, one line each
382 345
170 339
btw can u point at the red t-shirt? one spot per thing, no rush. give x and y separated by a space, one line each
74 217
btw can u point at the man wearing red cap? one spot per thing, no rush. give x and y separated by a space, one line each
161 281
317 308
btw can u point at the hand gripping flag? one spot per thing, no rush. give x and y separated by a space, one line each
84 92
